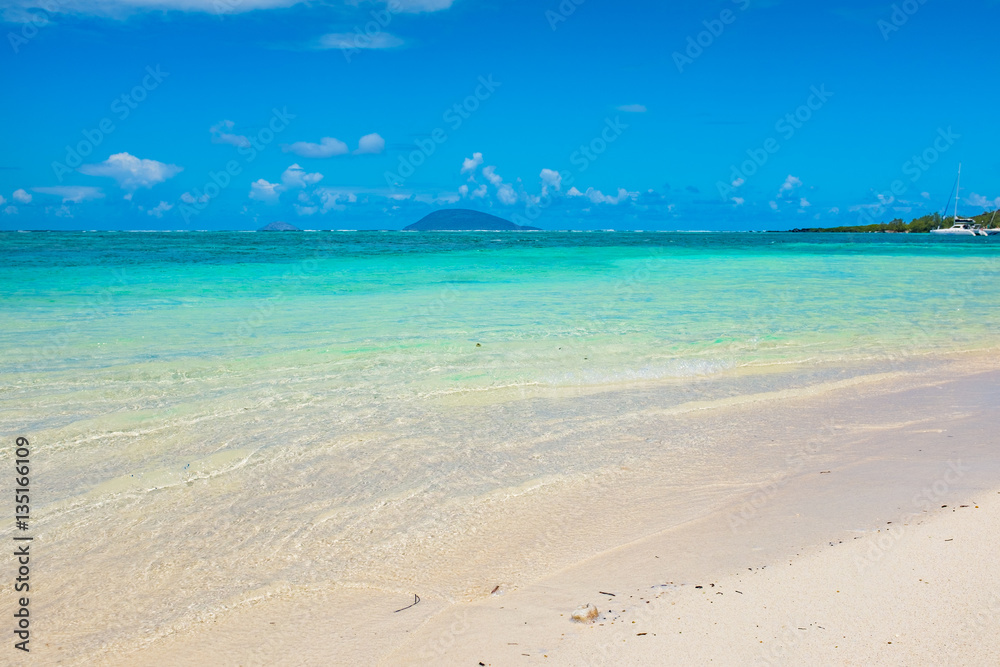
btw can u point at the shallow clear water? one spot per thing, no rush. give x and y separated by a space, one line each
221 414
401 314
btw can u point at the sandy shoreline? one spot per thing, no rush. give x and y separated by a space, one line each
829 471
926 594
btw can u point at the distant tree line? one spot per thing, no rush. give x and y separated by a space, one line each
921 225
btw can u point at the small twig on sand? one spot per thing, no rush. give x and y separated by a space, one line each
603 593
416 599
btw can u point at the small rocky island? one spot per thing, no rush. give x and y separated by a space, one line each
464 220
279 227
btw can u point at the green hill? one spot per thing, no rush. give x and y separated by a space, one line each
460 219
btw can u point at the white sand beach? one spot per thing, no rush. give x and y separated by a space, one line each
858 525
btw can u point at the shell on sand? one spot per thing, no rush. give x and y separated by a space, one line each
585 614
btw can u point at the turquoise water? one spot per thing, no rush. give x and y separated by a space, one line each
401 314
218 417
109 323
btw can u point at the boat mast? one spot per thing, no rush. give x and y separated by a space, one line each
958 188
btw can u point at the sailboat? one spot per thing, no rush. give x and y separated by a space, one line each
963 226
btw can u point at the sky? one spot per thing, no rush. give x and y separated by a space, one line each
560 114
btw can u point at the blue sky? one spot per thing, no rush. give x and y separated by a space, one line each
746 114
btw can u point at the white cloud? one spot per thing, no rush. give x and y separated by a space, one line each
2 200
598 197
160 209
327 147
293 178
505 191
860 207
296 177
738 201
266 192
925 195
10 210
884 202
123 8
444 198
188 198
417 6
73 194
974 200
370 144
506 194
478 193
132 172
835 210
633 108
738 182
332 199
221 135
21 196
550 179
773 205
305 210
804 203
20 15
789 185
353 40
470 164
492 176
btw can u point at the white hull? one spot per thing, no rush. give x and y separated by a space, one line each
956 231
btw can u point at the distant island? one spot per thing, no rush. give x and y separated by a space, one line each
279 227
464 220
921 225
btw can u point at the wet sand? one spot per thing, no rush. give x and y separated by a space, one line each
829 517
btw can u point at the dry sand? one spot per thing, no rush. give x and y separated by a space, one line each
923 590
877 547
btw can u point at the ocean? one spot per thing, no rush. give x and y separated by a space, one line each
220 417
